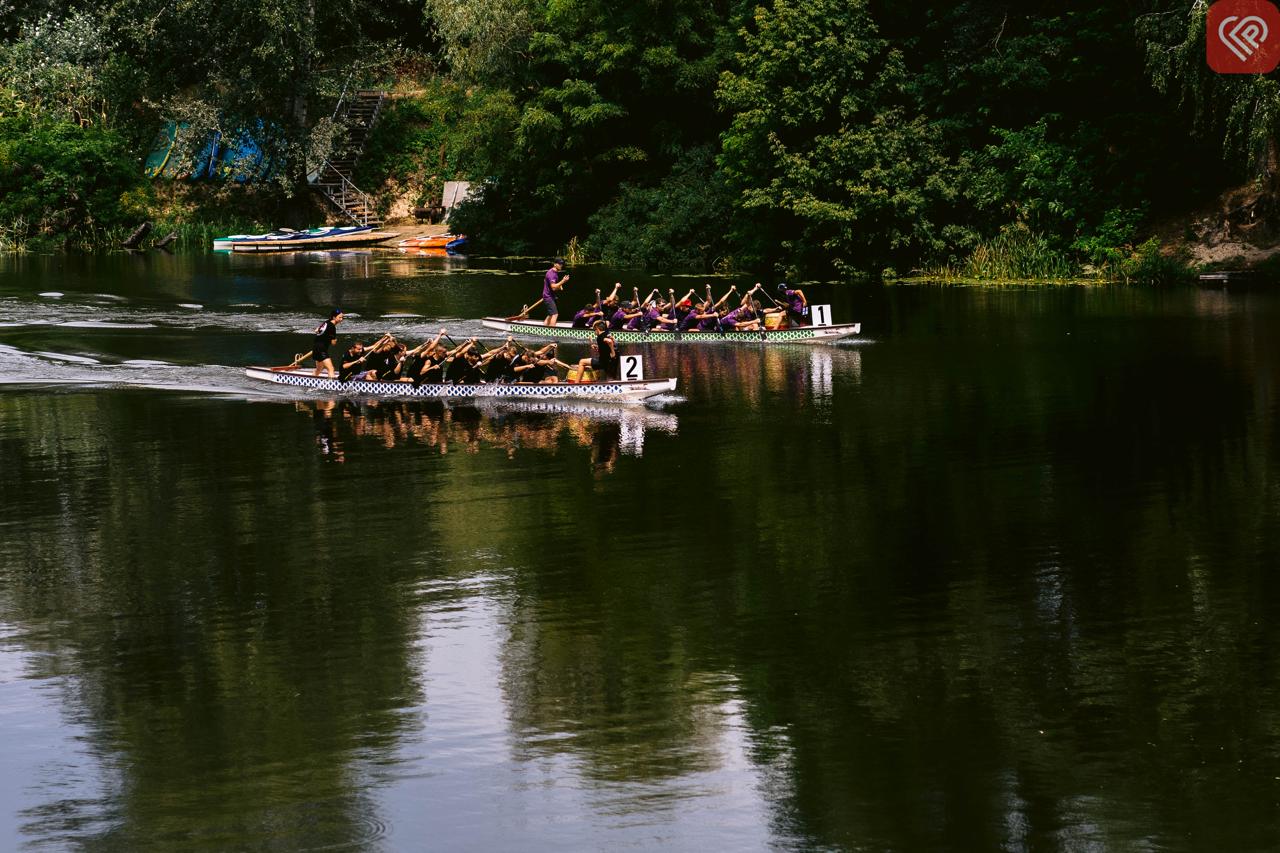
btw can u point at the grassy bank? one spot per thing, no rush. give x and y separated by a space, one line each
1018 255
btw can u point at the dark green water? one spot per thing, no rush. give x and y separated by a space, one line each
1001 575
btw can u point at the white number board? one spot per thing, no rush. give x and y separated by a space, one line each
821 314
633 368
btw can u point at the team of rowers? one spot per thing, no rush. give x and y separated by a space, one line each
468 363
471 363
686 314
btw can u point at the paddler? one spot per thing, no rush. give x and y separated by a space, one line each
605 359
352 360
392 363
553 283
624 315
588 315
326 336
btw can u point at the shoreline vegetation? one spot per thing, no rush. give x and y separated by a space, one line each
827 139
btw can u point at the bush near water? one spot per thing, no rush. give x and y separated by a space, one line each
970 139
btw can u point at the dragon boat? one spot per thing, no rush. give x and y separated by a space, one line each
566 332
606 392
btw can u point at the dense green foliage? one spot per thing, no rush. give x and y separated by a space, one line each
787 135
59 178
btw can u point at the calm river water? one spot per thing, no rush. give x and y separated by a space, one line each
1004 573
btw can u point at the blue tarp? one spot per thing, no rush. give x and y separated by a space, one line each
236 155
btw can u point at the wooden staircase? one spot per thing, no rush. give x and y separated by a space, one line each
333 179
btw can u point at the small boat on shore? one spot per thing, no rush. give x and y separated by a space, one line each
605 392
451 242
566 332
287 240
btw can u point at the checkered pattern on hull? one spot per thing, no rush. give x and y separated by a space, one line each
609 391
622 336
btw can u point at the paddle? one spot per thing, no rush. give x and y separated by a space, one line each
523 315
368 351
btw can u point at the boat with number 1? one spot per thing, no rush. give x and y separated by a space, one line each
566 332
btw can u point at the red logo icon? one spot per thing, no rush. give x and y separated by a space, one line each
1243 37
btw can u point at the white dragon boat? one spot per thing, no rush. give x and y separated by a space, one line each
607 392
566 332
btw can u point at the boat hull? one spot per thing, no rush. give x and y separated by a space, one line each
608 392
434 241
344 237
565 332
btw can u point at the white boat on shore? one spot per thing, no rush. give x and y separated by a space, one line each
607 392
287 240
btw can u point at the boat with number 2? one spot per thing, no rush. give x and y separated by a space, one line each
566 332
608 391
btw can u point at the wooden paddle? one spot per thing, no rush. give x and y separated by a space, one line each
368 351
523 315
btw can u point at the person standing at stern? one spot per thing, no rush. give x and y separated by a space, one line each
326 336
552 283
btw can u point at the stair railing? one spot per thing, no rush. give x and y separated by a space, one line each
338 106
347 192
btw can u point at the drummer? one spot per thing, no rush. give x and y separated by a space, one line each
797 305
606 358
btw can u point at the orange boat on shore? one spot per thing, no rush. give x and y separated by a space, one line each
452 242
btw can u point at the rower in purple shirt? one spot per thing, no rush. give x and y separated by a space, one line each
552 282
644 320
624 315
587 316
710 321
729 321
797 305
743 317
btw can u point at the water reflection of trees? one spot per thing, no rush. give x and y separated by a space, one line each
606 431
978 613
226 684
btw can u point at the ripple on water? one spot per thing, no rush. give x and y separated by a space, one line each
105 324
62 356
52 294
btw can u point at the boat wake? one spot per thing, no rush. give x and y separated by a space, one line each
54 369
65 313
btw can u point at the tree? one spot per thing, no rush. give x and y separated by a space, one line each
1239 111
611 94
828 155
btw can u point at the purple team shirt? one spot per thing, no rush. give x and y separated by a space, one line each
553 277
639 322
